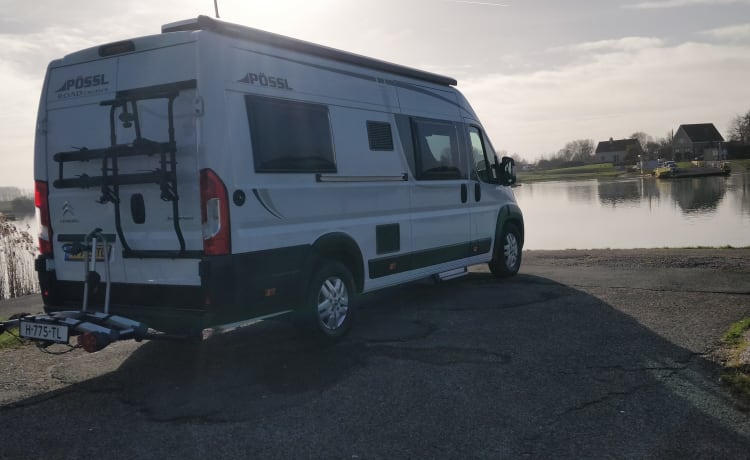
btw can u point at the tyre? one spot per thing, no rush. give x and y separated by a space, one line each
329 301
507 258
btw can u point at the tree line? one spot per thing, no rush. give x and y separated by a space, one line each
583 151
11 193
15 201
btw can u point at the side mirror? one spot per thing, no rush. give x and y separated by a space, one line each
507 174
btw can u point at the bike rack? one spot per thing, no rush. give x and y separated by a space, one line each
111 179
95 330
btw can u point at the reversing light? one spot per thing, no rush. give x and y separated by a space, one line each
214 214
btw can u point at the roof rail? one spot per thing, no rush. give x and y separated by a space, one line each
268 38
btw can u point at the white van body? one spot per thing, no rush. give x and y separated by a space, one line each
228 166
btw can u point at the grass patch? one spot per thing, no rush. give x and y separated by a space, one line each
601 170
9 339
736 374
734 335
726 246
575 173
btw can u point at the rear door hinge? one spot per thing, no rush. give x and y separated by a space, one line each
198 106
41 126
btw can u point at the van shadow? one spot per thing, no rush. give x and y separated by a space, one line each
473 367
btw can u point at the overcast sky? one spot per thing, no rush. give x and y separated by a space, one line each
539 73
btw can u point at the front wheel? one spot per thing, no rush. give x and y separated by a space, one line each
507 259
329 302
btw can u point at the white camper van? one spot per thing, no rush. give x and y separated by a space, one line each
216 173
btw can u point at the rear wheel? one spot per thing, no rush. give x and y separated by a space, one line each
329 302
507 259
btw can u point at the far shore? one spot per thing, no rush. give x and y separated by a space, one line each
601 171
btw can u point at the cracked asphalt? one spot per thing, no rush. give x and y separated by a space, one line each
585 354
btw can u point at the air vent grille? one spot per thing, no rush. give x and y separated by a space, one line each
380 135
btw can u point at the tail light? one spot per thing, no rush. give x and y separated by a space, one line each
93 341
41 201
214 214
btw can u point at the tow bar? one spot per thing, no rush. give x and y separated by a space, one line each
94 330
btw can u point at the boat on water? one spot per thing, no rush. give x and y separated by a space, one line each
670 171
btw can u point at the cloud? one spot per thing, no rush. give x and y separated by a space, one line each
683 3
469 2
18 121
613 93
621 44
736 33
34 33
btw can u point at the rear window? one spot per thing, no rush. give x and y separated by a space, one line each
290 136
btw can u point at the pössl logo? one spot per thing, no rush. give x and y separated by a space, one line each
83 81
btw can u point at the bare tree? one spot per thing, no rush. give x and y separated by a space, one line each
665 146
651 149
578 150
642 138
739 128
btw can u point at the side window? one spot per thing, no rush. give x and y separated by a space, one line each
482 157
289 136
437 156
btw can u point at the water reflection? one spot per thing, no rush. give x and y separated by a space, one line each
691 195
742 189
637 212
581 192
697 195
621 192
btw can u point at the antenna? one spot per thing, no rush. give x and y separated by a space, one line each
216 8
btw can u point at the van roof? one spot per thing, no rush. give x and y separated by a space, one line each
267 38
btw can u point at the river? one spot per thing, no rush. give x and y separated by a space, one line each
637 213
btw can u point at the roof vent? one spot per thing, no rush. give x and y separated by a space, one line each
178 26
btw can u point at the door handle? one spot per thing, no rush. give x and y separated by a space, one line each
464 193
477 191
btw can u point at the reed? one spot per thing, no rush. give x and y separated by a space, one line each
17 252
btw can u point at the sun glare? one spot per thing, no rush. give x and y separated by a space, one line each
288 17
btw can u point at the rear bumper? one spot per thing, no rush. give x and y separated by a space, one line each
233 288
162 307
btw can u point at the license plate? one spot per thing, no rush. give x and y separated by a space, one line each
81 256
41 331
